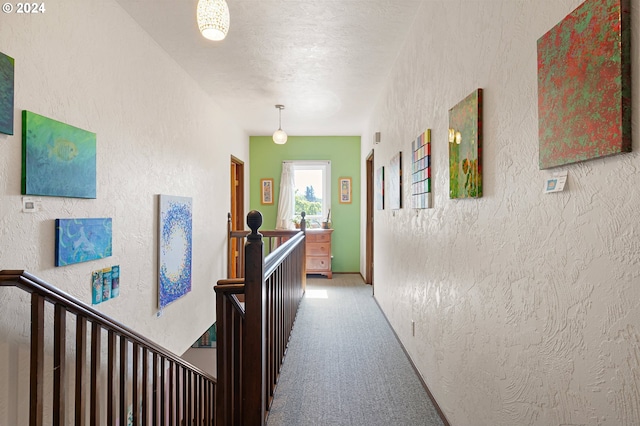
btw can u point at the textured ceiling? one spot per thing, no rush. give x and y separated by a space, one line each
325 60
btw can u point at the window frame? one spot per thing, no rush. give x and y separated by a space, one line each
325 167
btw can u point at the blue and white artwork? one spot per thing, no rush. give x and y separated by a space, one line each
82 240
175 246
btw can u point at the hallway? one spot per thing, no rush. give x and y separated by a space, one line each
344 365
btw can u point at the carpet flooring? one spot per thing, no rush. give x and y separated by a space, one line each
344 365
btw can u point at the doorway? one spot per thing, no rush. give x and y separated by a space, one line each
236 216
368 279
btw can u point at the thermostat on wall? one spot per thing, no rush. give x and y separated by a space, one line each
555 183
30 205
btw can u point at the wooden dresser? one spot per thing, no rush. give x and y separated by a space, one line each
318 247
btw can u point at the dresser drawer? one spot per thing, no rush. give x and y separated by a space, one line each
318 249
313 237
318 264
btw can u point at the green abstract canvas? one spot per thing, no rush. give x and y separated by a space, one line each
57 159
6 94
465 147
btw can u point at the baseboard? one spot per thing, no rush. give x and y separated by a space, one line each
424 384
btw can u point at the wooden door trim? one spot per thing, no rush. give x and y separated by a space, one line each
240 196
369 221
236 214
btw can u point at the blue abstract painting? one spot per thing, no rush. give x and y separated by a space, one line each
58 160
175 246
7 88
82 240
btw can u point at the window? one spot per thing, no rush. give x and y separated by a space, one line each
312 190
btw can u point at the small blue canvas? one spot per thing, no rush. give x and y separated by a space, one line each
81 240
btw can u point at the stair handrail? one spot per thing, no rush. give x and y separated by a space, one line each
181 402
274 238
252 339
30 283
276 257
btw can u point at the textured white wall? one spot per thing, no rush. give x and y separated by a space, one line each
526 305
88 64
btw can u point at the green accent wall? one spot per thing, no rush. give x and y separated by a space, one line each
265 159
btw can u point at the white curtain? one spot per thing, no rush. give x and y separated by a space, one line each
287 193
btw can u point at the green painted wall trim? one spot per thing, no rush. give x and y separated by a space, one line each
265 159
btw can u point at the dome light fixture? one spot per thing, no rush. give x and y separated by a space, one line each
213 19
279 136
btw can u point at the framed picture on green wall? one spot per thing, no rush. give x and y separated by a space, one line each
266 191
345 190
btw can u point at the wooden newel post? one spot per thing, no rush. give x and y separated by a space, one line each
254 351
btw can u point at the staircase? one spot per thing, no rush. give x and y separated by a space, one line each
85 368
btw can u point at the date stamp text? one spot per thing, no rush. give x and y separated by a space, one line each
23 8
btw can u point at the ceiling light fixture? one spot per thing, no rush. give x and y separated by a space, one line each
213 19
279 136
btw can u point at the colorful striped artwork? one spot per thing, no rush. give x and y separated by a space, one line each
421 171
105 284
465 147
175 246
584 85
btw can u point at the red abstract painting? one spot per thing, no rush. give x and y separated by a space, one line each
584 84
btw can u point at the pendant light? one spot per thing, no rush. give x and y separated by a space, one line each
279 136
213 19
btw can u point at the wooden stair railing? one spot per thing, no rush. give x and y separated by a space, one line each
255 316
237 238
160 387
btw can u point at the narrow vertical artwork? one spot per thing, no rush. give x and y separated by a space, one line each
175 246
584 84
465 147
96 287
266 191
7 89
395 182
115 281
82 240
421 171
345 190
380 188
106 284
57 159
